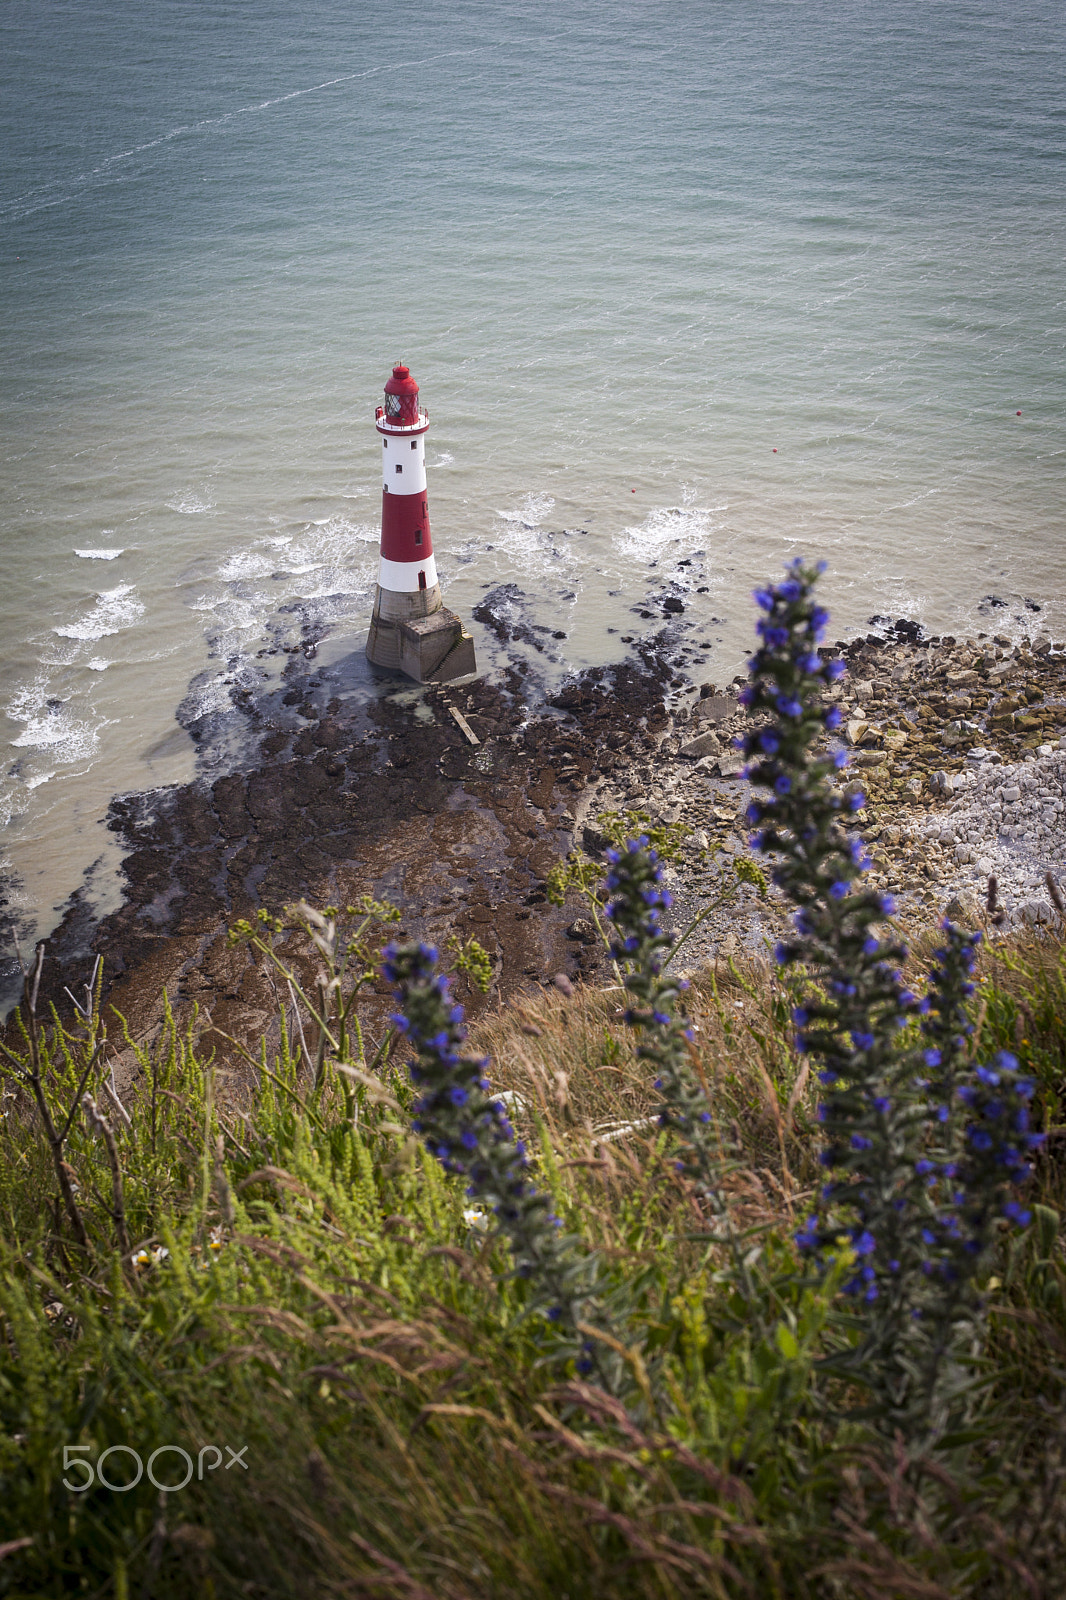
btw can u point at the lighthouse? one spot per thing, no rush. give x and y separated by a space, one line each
412 631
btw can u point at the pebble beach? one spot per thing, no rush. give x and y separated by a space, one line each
456 802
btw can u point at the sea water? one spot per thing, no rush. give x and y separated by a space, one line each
708 283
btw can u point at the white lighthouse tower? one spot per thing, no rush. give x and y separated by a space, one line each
412 630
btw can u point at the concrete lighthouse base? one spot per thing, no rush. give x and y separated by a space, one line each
431 648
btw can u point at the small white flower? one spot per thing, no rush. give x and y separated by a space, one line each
151 1258
477 1218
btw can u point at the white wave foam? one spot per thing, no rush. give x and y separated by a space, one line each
243 565
190 505
531 511
99 555
64 739
98 664
339 532
205 697
667 525
114 610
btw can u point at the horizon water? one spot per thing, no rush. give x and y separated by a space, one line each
712 284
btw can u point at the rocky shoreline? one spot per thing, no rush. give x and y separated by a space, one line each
455 802
959 746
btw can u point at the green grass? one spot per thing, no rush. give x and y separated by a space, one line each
325 1303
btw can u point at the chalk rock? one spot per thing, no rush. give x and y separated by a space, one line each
856 730
963 908
870 758
714 709
731 766
707 744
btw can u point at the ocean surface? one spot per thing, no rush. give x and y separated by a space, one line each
704 283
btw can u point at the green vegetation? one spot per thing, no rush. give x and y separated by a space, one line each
329 1299
582 1321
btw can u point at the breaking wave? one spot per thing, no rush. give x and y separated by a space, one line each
114 610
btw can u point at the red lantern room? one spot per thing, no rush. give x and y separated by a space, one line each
401 399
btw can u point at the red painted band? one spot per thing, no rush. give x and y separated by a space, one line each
403 518
402 432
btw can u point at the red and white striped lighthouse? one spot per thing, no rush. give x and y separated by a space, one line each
412 630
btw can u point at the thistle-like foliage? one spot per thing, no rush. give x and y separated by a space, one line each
640 948
946 1025
996 1144
974 1171
468 1131
988 1163
634 879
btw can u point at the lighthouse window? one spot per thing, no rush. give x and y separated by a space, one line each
399 466
421 580
414 444
418 536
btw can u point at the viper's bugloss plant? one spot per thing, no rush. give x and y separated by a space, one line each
983 1164
640 947
634 879
988 1164
468 1130
946 1025
894 1192
996 1144
859 998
